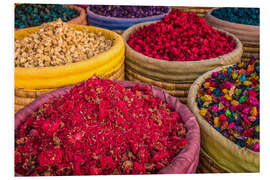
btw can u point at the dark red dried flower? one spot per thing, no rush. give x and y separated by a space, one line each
181 36
99 127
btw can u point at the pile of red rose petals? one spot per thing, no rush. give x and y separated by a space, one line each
181 36
99 127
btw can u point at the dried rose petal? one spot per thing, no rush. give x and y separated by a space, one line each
99 127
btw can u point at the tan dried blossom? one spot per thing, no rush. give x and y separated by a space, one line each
56 43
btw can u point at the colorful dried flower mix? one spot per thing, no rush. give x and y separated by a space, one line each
99 127
249 16
128 11
230 101
181 36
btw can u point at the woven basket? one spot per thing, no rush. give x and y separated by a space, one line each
218 153
208 165
200 11
250 49
175 77
30 83
249 35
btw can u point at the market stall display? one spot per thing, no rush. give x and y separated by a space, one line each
74 114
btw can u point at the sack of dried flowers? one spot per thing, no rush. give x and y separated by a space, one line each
122 17
173 52
58 54
106 113
38 18
226 104
243 23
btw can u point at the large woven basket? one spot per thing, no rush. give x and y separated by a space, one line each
200 11
175 77
219 154
249 35
32 82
